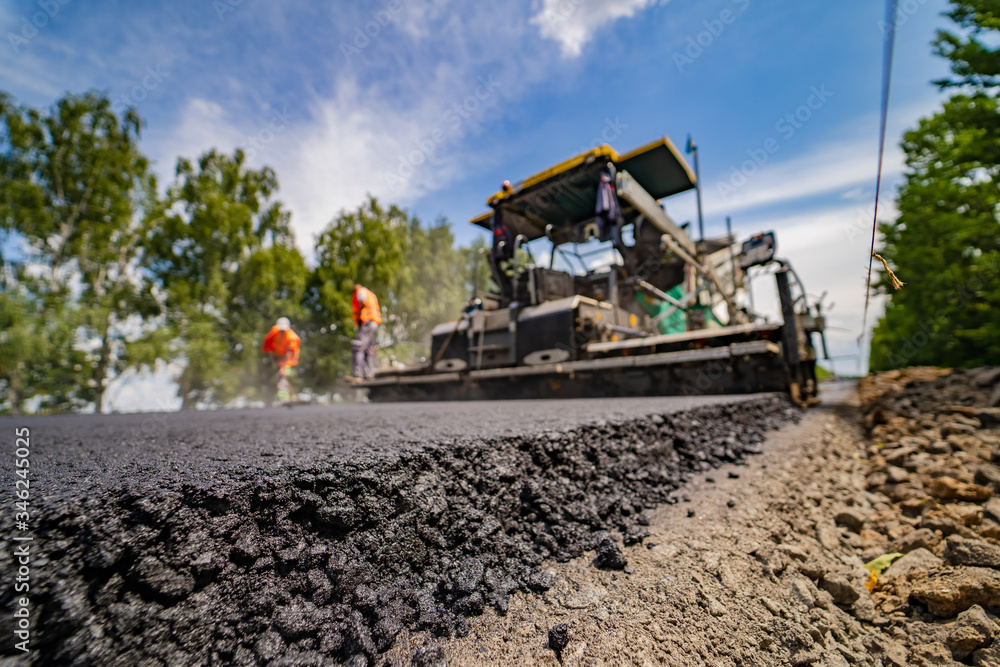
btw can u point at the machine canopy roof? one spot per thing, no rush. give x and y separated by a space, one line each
566 194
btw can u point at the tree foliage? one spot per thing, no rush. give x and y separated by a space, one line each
433 287
39 357
74 191
973 61
946 240
418 274
222 250
100 271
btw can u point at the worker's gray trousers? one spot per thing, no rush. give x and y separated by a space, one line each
363 349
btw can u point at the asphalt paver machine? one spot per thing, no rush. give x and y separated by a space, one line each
636 308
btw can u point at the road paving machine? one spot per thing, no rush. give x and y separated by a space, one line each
624 302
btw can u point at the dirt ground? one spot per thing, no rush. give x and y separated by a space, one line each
729 575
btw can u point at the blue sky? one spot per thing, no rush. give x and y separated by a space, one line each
432 103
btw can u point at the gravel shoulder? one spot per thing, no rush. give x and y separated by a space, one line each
718 581
868 534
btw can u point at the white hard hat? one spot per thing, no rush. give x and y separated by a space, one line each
283 324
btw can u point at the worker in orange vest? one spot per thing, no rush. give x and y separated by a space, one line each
283 344
367 318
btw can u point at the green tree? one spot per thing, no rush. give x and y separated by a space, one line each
365 246
946 240
973 61
433 286
419 275
225 255
39 355
75 189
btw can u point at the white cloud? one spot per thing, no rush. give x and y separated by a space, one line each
29 75
793 171
395 136
830 168
332 154
356 144
828 246
203 124
418 19
858 193
573 22
828 237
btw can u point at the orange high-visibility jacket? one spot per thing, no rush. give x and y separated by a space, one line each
282 344
365 306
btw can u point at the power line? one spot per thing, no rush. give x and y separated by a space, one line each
888 48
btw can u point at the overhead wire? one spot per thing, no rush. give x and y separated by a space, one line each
888 49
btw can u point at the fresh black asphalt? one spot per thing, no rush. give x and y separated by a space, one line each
314 535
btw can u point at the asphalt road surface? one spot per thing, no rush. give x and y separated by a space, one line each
314 535
71 453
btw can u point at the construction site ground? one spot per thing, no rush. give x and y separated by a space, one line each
761 563
709 531
711 584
